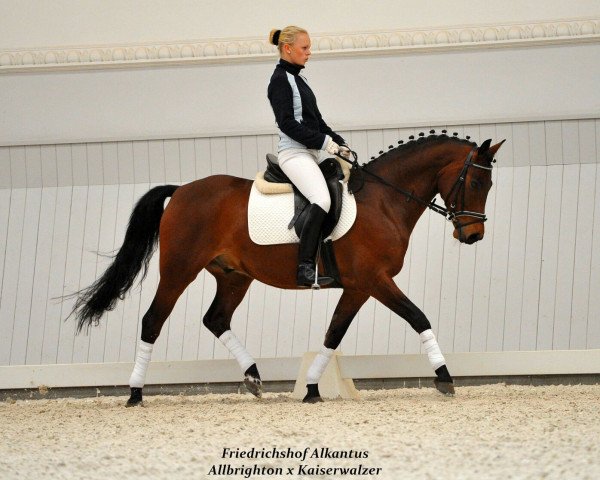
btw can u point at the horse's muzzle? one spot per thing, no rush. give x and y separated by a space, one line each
468 236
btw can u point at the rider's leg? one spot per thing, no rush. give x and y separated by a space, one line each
302 169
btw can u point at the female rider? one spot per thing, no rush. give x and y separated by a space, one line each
302 133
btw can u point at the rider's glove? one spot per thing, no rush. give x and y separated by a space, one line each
332 148
345 151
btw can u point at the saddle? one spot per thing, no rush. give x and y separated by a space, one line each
333 173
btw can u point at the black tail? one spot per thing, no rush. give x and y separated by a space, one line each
137 249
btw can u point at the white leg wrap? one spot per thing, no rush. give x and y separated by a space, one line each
319 364
237 350
436 359
142 360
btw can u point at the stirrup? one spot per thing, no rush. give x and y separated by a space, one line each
308 277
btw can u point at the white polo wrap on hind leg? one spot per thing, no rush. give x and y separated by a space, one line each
142 360
319 364
436 359
237 350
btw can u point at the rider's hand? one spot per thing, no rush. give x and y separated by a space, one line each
345 151
332 148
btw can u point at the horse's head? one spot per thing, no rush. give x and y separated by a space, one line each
464 185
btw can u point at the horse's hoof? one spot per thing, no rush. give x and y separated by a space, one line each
254 385
447 388
313 395
135 399
309 399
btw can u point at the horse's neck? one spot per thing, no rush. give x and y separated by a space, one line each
416 174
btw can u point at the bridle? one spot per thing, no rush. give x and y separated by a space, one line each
456 193
458 189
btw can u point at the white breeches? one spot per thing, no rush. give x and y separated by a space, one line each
302 168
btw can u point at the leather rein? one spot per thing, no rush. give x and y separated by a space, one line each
458 188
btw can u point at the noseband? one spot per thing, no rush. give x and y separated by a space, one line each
458 190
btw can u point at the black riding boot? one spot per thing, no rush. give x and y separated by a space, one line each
309 243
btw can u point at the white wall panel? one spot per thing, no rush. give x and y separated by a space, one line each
56 311
203 156
64 165
529 285
464 308
33 165
49 168
582 257
5 180
18 167
516 259
5 196
41 279
593 317
537 143
533 259
549 257
566 257
125 162
24 298
99 162
587 141
8 301
73 262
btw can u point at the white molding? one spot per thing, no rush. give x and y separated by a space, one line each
256 49
550 362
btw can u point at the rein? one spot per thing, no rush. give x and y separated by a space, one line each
457 188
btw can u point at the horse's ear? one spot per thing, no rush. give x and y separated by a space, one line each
495 148
484 147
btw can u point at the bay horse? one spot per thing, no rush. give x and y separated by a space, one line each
205 226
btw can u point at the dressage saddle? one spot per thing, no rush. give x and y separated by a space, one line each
332 171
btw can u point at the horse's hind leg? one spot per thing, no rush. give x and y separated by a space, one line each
231 289
346 310
169 290
388 293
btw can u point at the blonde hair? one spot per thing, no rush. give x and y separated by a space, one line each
285 36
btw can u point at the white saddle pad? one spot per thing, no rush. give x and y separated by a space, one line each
269 216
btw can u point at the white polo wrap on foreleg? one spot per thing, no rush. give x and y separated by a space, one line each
319 364
142 360
237 350
436 359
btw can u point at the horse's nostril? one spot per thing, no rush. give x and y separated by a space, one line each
474 237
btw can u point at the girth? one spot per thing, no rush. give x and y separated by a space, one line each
332 171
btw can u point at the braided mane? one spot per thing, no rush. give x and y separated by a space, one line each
413 144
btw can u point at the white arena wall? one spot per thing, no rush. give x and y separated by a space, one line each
96 108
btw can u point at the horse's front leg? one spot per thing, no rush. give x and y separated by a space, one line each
388 293
346 310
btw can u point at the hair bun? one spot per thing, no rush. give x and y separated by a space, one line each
274 36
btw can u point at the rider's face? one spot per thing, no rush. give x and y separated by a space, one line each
298 52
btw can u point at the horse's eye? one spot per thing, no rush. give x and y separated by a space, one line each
475 185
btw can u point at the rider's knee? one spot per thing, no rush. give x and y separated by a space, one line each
324 203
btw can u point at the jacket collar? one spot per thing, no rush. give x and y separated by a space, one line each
290 67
